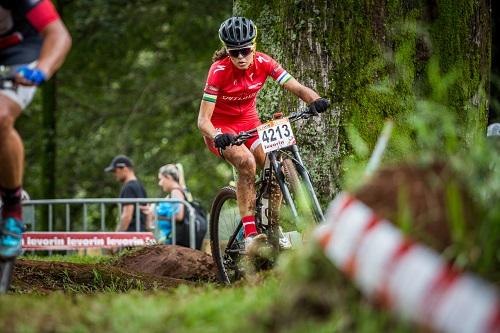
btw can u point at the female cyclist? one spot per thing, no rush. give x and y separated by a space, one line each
228 107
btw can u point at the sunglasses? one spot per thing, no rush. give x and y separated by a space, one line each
236 52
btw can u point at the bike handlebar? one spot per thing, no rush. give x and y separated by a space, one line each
10 79
305 113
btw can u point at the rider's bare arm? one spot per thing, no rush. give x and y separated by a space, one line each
55 47
177 194
56 44
304 93
204 116
126 217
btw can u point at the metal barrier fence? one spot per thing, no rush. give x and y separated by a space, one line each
31 214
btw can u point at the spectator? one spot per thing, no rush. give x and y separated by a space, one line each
171 181
123 170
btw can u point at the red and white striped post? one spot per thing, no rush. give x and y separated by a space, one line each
409 278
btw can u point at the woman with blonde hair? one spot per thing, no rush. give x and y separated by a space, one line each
171 180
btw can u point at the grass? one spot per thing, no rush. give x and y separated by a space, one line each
185 309
300 295
72 258
245 308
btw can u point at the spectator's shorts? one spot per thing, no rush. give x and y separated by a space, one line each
22 95
234 128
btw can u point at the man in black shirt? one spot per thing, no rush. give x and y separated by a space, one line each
123 170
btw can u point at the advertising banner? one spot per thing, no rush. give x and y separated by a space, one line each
43 241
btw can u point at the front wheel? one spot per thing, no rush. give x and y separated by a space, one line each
301 197
6 269
226 235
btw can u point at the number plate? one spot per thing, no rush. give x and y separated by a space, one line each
276 134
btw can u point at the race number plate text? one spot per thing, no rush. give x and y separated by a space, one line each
276 134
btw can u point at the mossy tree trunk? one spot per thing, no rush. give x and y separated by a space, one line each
341 49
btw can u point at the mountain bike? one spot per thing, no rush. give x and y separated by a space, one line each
6 264
283 191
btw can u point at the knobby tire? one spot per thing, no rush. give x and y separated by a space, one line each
298 191
6 270
227 267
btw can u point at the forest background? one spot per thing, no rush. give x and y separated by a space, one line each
133 81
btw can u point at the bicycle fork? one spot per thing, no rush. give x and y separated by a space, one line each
277 167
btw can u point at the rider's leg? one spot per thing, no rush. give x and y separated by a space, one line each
11 149
244 162
260 158
259 155
11 170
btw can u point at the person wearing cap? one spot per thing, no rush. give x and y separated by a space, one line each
228 107
123 169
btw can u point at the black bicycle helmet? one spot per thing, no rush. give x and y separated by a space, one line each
237 31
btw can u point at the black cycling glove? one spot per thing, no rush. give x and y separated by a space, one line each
319 106
223 140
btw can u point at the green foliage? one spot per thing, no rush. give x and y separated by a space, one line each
433 129
352 51
315 291
132 85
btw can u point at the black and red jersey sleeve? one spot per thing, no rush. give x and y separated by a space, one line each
39 13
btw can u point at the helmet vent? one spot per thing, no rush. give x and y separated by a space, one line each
237 32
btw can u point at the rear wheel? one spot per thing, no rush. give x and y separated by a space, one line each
226 235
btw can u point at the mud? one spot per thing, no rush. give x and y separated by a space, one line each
170 261
421 197
149 268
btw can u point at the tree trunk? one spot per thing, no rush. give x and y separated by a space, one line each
49 129
337 48
49 118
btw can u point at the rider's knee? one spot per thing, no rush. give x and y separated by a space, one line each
7 118
247 165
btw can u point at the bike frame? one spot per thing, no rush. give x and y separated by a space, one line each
6 81
275 166
285 168
297 160
274 157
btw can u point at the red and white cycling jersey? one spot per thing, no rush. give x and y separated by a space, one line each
234 91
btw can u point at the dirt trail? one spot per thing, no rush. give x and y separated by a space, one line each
155 267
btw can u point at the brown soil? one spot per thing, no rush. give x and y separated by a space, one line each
421 192
156 267
171 261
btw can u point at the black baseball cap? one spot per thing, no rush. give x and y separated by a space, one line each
119 161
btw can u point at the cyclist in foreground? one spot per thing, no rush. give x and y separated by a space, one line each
33 44
228 107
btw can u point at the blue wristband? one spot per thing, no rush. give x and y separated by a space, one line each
34 75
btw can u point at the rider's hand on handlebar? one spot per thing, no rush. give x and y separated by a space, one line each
223 140
30 76
319 106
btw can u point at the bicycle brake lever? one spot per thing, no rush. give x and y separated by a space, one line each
237 143
241 139
306 115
